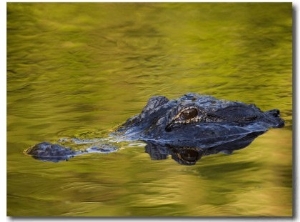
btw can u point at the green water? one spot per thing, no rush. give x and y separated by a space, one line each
79 70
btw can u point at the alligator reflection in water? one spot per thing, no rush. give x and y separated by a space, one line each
190 155
186 128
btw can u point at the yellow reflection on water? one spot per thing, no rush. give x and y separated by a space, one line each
83 68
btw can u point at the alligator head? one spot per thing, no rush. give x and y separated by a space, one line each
197 121
186 128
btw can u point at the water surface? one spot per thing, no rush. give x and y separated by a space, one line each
80 70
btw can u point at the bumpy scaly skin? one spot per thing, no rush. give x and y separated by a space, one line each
197 121
186 128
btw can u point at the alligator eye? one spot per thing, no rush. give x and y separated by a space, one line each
188 113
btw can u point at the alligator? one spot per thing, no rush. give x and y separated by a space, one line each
186 128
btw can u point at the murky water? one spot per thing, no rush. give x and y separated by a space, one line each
79 70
